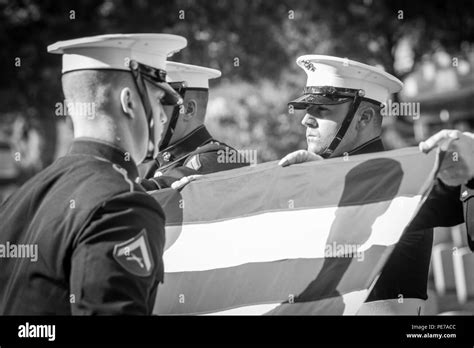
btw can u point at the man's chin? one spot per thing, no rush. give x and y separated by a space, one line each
315 148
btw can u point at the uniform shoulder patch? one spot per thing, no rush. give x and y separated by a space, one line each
193 163
135 255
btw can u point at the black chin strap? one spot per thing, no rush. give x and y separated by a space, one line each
140 82
181 88
171 126
341 132
142 72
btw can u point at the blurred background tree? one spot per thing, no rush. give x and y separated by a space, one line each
253 42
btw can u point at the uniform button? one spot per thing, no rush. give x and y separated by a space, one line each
166 156
464 194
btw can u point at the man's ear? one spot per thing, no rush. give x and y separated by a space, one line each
191 110
126 102
365 117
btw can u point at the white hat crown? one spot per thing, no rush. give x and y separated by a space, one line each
115 51
344 73
195 76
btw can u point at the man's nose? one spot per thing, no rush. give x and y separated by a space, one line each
309 121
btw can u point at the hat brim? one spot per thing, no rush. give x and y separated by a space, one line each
171 96
307 100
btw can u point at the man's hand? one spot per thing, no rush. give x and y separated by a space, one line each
458 164
184 181
299 156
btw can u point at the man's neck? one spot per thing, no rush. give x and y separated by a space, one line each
373 145
188 131
104 134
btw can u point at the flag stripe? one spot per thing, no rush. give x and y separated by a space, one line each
267 282
284 235
351 303
258 239
269 187
347 304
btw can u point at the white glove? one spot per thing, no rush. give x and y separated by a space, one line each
184 181
299 156
458 164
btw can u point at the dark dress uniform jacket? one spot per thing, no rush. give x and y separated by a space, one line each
448 206
406 271
198 153
99 238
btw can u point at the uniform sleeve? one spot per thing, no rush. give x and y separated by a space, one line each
205 160
467 197
215 158
165 181
117 260
442 208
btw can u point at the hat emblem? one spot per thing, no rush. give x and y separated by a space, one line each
166 156
308 65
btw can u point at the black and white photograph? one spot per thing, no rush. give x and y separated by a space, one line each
248 171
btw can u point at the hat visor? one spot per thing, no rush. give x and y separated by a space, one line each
171 96
307 100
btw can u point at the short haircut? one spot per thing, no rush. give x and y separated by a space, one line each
94 86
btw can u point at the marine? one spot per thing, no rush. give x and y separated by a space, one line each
343 100
187 148
100 236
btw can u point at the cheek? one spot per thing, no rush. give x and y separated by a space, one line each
141 126
327 128
168 112
158 125
158 130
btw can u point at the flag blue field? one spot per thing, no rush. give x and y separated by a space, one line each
306 239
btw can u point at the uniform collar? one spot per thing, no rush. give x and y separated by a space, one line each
183 147
105 151
374 145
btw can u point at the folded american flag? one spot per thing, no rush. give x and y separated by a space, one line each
306 239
